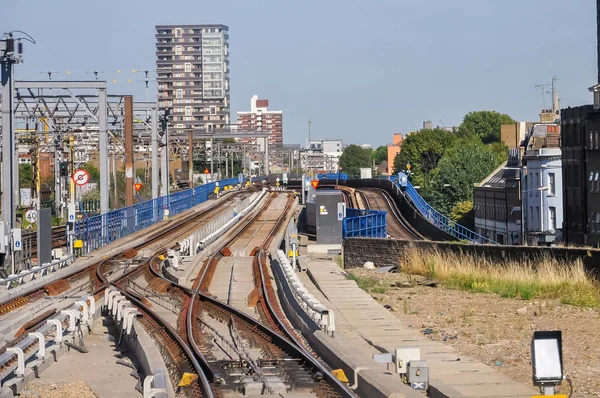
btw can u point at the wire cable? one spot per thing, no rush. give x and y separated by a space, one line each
28 38
570 386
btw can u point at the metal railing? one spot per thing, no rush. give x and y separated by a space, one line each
441 221
364 223
100 230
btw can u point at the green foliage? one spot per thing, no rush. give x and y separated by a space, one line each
368 284
500 149
92 170
423 151
461 167
93 194
354 158
25 175
463 213
485 124
380 154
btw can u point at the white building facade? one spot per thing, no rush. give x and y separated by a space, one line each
542 196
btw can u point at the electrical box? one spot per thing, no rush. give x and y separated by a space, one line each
403 356
329 226
417 375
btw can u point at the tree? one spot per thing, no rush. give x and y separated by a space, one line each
25 175
354 158
380 154
463 213
500 149
92 171
462 166
423 151
485 124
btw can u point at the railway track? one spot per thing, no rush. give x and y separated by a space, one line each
86 275
178 356
398 227
235 350
267 353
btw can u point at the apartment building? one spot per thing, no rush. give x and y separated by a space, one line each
192 67
261 119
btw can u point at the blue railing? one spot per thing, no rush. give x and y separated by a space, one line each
333 176
97 231
441 221
364 223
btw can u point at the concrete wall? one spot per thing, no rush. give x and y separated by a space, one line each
385 252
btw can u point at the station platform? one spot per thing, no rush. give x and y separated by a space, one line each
365 325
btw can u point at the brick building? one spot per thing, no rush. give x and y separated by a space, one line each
260 118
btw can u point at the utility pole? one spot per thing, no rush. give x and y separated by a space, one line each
72 162
266 156
191 158
129 150
57 176
165 152
8 58
154 138
211 158
38 183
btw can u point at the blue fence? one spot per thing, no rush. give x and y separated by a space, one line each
441 221
364 223
333 176
100 230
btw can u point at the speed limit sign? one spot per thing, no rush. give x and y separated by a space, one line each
31 216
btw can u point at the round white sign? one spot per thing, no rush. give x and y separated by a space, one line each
81 177
31 216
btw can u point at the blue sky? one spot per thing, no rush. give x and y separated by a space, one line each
361 70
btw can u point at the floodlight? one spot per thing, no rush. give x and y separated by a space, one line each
547 363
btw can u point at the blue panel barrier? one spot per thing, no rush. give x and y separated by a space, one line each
333 176
364 223
441 221
97 231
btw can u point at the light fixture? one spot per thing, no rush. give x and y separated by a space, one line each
547 362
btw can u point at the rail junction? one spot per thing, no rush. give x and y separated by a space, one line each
226 299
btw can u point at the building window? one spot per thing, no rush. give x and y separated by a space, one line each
188 67
552 218
596 181
188 111
552 183
213 110
591 181
177 32
209 127
596 140
179 93
177 50
591 140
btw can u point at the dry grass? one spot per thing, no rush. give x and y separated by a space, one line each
543 278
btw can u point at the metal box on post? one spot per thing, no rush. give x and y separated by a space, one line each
417 375
329 226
